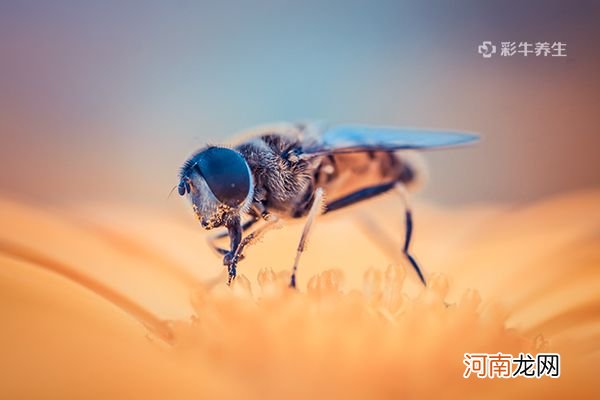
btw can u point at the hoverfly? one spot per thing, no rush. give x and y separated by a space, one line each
283 172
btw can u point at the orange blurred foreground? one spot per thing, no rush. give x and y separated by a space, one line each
118 302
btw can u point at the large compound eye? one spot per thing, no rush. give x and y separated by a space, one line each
226 173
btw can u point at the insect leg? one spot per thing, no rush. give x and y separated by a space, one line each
314 210
254 236
237 243
218 236
358 196
234 230
372 191
408 232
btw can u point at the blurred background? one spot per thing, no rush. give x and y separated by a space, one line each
103 100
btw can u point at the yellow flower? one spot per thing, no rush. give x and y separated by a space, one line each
106 302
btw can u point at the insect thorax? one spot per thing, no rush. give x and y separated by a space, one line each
282 181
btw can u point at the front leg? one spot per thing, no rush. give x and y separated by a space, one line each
234 255
212 240
234 230
271 222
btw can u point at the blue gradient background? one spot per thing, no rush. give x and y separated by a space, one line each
104 100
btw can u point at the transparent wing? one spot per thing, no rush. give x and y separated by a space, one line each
352 139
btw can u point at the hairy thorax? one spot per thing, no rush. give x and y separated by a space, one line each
282 182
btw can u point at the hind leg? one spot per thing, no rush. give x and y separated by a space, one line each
408 224
372 191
